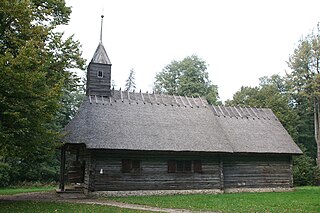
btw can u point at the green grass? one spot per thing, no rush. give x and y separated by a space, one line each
25 189
43 207
303 199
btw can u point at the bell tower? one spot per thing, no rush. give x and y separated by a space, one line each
99 71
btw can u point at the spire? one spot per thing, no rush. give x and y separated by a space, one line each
100 55
101 28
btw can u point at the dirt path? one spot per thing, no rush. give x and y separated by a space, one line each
53 196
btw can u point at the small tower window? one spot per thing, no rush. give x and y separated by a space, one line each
100 74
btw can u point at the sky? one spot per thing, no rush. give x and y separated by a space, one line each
241 40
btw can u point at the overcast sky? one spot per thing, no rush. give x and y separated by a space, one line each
240 40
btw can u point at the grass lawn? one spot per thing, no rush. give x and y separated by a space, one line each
43 207
302 199
25 189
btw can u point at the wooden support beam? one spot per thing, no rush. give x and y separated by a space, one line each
215 111
176 100
135 97
62 167
203 104
194 101
149 98
142 98
243 113
221 111
254 113
161 95
189 102
155 97
226 109
238 112
121 95
234 112
182 101
129 97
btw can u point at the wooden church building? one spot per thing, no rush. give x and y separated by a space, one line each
126 141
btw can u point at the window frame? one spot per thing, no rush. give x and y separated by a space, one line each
98 74
130 166
184 166
197 166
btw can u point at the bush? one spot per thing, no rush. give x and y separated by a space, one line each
305 173
4 174
317 176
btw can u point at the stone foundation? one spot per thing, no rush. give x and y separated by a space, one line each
182 192
152 192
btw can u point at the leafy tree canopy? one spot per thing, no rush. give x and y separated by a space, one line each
188 77
34 75
304 79
271 93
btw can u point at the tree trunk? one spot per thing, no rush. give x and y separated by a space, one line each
316 126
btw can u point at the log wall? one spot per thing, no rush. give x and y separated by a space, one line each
218 171
153 172
259 171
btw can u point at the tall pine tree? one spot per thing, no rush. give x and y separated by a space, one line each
131 81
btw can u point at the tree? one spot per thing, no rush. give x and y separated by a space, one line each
34 63
187 78
305 77
130 82
271 93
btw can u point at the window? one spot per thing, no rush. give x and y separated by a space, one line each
171 166
197 166
100 74
184 166
126 166
129 166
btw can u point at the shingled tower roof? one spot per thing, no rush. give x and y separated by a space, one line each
100 55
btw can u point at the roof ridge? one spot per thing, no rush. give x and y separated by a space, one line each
184 101
153 98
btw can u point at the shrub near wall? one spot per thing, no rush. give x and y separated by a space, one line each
305 173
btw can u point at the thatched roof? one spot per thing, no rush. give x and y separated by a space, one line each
142 121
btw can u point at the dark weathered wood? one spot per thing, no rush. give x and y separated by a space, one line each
221 173
291 172
257 171
217 171
96 85
62 167
153 173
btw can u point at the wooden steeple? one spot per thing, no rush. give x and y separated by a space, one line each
99 70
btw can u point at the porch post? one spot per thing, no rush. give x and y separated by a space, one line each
62 167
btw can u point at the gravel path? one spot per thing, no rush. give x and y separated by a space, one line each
53 196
